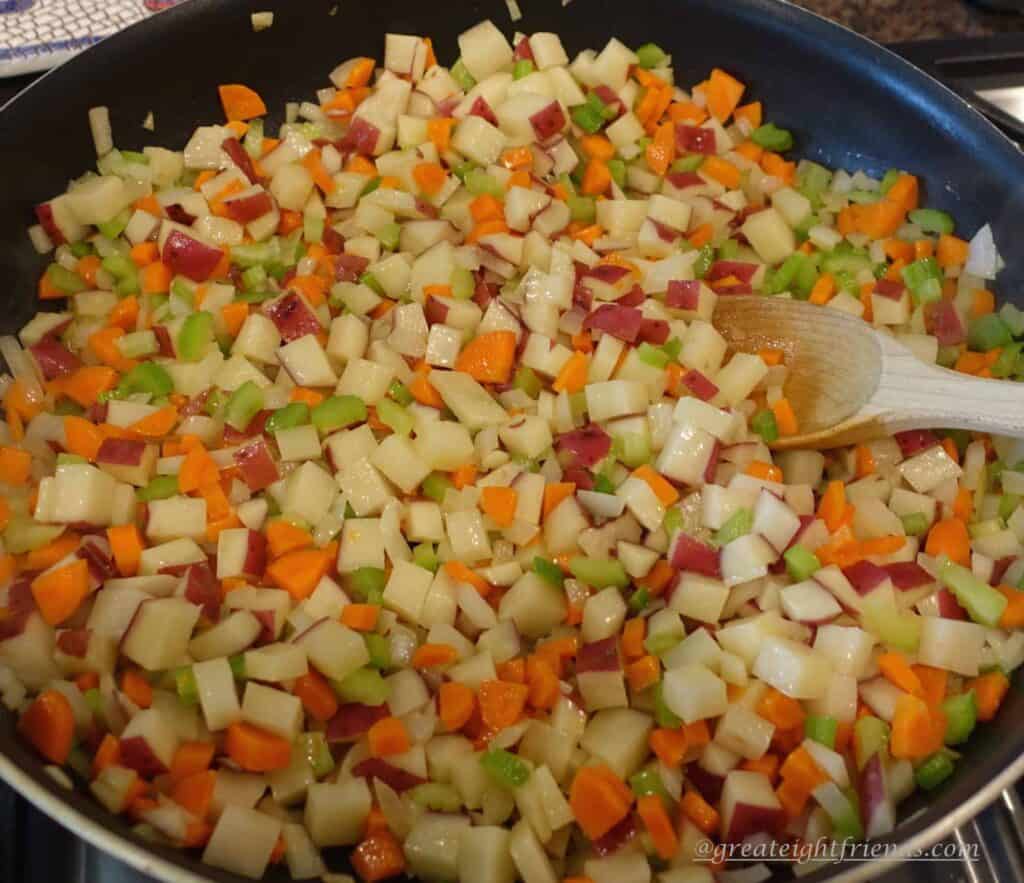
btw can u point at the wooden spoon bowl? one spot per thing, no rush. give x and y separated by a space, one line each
849 383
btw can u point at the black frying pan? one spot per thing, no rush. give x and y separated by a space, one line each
850 103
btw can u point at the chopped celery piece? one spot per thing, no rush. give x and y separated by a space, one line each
389 235
253 141
379 648
371 281
934 771
119 266
652 355
582 208
548 571
603 484
138 344
94 699
424 556
729 249
618 171
148 377
1008 360
250 255
64 280
738 524
890 178
783 277
68 408
821 728
987 333
435 486
244 404
673 521
183 290
79 761
813 181
648 782
771 137
870 735
366 686
115 226
632 448
254 279
371 185
291 415
651 55
588 118
367 581
81 249
185 684
1014 319
1008 504
68 459
765 425
479 183
237 664
462 76
313 229
400 393
395 416
705 258
523 68
932 220
672 347
195 336
915 524
983 603
337 412
463 284
846 823
663 716
504 768
845 262
863 197
160 487
639 600
437 797
599 573
801 562
687 163
317 752
924 279
961 713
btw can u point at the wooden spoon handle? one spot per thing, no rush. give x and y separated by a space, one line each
914 395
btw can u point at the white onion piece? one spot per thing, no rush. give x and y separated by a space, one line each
476 609
601 505
397 812
21 367
983 257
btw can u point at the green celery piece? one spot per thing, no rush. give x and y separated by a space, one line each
237 664
617 167
603 484
160 487
527 380
291 415
400 393
639 600
255 278
115 226
479 183
64 280
1008 359
317 752
366 686
379 648
987 333
435 486
672 347
94 699
705 258
813 180
389 234
587 118
647 782
932 220
253 141
436 797
367 581
463 284
424 555
504 768
821 728
651 55
582 208
119 266
462 76
195 336
915 524
1008 504
961 713
394 415
801 563
673 520
924 279
784 276
863 197
337 412
740 523
663 716
632 448
244 404
934 771
771 137
256 253
522 68
371 281
689 163
653 356
1014 319
69 459
147 377
870 735
729 249
599 573
765 425
548 571
81 249
183 290
313 229
185 684
890 178
138 344
846 824
983 603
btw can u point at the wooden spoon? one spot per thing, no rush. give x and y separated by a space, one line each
849 383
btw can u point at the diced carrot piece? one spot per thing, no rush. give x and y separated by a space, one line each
781 710
316 695
388 736
753 113
597 178
284 537
15 465
455 703
256 750
439 131
652 812
429 177
49 726
360 617
485 207
723 93
833 505
898 671
933 683
663 489
700 812
137 688
299 572
643 673
722 171
989 690
662 150
658 579
633 637
764 471
573 375
489 357
983 302
599 800
195 792
59 593
464 476
108 754
670 746
502 703
542 682
378 857
554 494
785 418
950 538
240 102
500 504
952 251
434 655
144 253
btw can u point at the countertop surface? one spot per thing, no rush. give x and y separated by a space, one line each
893 21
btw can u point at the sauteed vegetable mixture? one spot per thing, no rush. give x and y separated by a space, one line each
382 482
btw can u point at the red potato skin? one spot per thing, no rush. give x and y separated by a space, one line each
137 755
